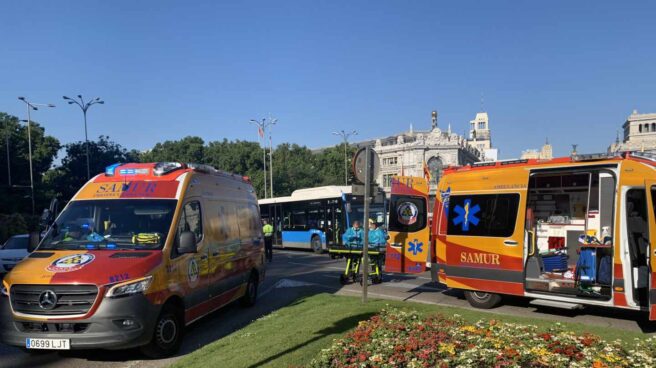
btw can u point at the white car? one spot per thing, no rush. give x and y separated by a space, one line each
13 251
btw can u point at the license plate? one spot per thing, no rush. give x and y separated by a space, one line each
49 344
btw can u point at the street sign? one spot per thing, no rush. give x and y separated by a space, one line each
358 189
360 163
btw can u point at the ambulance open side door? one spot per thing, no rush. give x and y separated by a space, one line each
650 186
409 232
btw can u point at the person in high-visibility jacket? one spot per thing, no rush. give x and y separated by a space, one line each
267 230
377 237
354 235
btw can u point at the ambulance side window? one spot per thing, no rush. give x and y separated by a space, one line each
492 215
191 220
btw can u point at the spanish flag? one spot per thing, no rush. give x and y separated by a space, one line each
427 174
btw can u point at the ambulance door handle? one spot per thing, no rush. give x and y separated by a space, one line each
509 242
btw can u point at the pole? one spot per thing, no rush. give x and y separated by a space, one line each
86 140
29 149
365 245
8 160
345 162
270 164
264 161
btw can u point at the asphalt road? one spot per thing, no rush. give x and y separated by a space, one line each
294 274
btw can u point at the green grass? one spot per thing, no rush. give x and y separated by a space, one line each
294 335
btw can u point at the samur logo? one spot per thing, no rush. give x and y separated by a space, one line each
70 263
126 189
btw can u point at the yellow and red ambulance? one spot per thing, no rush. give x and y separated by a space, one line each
565 232
138 253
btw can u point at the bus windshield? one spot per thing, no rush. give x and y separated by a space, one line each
376 213
112 224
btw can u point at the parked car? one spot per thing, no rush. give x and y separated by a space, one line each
12 252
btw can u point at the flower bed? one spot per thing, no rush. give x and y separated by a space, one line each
397 338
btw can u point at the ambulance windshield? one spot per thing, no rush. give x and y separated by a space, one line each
112 224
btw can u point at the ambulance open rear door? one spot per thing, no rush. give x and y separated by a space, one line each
409 242
650 186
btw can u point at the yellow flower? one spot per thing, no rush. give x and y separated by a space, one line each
447 348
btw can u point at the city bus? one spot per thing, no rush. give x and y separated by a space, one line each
565 232
316 218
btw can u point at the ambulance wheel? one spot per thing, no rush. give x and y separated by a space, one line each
482 300
248 300
168 333
343 279
315 243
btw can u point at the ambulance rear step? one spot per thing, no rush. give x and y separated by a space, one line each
556 304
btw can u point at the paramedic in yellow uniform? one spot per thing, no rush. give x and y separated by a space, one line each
267 230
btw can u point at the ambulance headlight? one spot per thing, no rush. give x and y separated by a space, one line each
130 287
5 289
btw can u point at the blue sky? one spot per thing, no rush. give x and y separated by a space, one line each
570 71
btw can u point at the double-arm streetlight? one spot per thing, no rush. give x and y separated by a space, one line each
262 126
85 106
30 106
345 136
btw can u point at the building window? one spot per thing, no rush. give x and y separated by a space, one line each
646 128
387 180
390 161
481 125
653 127
435 166
640 128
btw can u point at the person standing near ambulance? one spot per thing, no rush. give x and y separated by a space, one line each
354 235
377 237
267 230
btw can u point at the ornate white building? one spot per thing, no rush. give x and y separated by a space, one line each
545 153
408 152
639 134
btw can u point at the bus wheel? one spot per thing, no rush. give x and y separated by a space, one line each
248 300
167 336
482 300
316 244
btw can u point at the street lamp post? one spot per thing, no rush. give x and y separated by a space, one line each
345 136
85 106
261 127
7 146
31 106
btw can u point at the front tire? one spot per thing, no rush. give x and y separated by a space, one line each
249 299
482 300
167 336
315 243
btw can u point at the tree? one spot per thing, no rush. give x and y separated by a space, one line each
188 149
238 157
330 162
65 180
16 198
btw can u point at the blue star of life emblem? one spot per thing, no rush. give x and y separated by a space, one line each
415 247
466 215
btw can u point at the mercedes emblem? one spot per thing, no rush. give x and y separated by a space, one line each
48 300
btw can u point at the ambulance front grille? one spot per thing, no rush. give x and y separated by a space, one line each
37 299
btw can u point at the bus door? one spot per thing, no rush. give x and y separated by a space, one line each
409 243
651 196
275 213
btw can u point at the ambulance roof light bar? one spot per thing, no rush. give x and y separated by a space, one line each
594 156
163 168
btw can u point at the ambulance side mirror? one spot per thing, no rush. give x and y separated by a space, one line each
33 241
187 243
